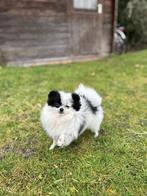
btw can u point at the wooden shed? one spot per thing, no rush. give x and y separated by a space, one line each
34 32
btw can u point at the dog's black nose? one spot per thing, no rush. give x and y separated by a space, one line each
61 110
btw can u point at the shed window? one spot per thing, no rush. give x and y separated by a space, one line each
85 4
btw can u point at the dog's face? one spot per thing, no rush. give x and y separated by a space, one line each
64 103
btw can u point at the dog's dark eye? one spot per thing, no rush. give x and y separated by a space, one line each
57 105
67 106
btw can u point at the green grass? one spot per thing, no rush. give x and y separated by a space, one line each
113 164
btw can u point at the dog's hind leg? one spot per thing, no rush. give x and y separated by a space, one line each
95 129
96 132
95 125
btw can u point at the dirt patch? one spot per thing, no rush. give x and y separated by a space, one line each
29 149
24 150
5 150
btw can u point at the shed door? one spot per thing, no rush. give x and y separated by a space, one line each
86 27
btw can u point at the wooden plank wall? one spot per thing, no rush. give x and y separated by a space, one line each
31 29
40 29
107 26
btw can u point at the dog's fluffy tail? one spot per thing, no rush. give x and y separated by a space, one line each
90 94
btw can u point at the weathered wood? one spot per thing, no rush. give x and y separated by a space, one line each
58 6
56 60
85 31
48 29
107 26
11 20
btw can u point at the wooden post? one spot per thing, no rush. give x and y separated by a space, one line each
114 21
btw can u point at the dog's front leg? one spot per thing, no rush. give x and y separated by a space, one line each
53 145
65 139
61 140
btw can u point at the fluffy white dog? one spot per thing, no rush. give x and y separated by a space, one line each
65 116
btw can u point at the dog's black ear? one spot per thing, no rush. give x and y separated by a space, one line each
53 94
75 97
54 98
76 101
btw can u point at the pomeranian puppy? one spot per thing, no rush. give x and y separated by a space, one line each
65 116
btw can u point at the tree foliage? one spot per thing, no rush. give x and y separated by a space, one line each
133 15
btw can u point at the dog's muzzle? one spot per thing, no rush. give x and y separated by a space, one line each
61 110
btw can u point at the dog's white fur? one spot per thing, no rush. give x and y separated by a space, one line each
64 128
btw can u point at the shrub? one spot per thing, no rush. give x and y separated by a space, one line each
133 16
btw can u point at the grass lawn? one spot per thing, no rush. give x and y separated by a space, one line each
113 164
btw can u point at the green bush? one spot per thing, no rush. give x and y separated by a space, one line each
133 15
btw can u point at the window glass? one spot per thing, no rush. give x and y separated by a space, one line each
85 4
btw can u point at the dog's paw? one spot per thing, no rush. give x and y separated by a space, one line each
61 141
51 147
96 134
